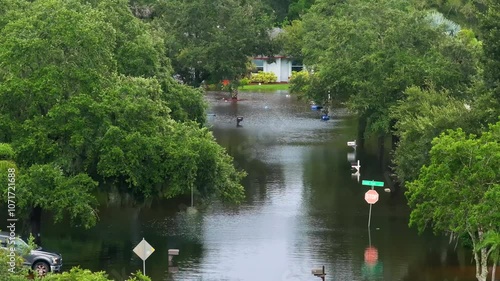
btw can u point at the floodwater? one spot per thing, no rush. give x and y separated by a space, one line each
304 209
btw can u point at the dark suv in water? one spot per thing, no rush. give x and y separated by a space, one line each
37 259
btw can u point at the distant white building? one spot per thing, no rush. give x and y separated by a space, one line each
282 66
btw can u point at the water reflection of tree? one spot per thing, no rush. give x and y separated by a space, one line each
249 154
336 224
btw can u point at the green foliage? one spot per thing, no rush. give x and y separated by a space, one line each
292 39
12 267
490 27
492 243
138 49
466 12
263 77
185 103
422 116
21 272
298 8
212 40
7 166
464 167
459 191
6 152
279 8
66 194
366 54
299 82
87 97
138 276
244 81
78 274
73 52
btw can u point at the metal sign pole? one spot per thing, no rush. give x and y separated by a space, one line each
370 213
143 250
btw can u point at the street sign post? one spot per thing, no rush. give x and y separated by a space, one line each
372 183
143 250
371 197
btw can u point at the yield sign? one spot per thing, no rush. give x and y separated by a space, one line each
371 196
143 249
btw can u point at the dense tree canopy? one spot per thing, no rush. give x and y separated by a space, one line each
212 40
87 96
422 116
368 53
459 191
490 26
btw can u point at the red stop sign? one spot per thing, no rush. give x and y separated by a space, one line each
371 255
371 196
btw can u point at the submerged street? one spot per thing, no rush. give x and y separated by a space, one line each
303 210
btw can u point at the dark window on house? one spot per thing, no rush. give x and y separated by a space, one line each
297 65
259 65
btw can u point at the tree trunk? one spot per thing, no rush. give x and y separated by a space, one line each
381 150
484 265
234 93
360 142
36 222
493 272
481 260
395 141
395 138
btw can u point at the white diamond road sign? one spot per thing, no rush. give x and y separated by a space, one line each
143 249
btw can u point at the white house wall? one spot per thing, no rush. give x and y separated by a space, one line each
285 70
282 67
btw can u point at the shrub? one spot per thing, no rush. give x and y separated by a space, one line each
6 152
244 81
299 82
263 77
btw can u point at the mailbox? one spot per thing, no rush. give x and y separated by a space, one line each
238 120
319 272
173 252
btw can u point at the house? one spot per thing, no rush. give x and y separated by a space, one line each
282 66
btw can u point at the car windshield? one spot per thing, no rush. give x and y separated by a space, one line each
21 245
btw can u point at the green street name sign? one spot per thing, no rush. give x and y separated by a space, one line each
372 183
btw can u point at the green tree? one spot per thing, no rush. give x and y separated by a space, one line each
279 8
298 8
423 115
212 40
74 274
465 12
459 191
77 110
490 27
140 52
367 53
492 242
45 63
292 38
78 274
